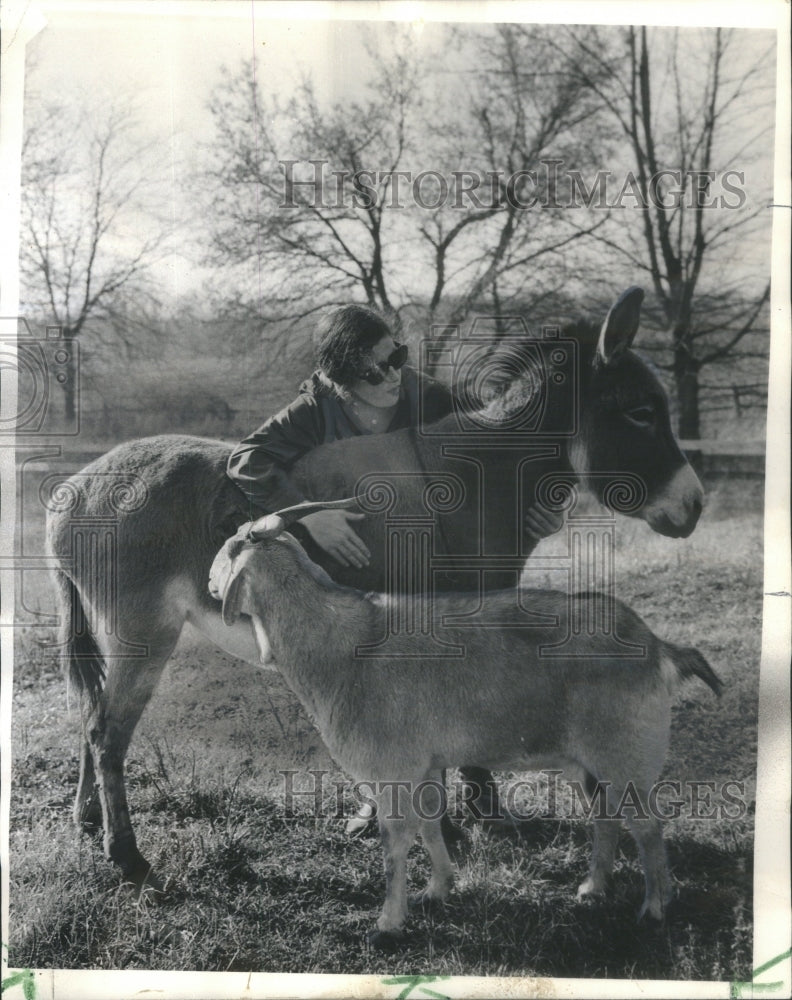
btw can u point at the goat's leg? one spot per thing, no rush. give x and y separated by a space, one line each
603 854
432 807
128 688
398 832
442 878
606 837
648 833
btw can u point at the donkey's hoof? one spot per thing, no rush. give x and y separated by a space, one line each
90 827
386 940
426 903
88 818
142 880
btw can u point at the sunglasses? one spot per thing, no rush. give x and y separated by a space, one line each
395 360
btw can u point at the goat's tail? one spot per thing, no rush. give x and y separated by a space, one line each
77 641
689 662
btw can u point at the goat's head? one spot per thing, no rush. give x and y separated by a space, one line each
227 572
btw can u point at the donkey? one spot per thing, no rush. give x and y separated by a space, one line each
125 599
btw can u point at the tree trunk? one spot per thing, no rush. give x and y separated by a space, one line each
69 373
686 378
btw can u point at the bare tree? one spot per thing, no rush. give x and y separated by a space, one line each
291 199
90 227
527 114
691 111
418 194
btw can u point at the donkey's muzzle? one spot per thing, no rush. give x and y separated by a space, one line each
676 510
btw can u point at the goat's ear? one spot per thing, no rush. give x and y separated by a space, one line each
232 595
291 514
620 326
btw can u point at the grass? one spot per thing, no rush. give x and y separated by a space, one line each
250 889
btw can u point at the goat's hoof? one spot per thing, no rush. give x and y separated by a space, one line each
385 940
362 824
651 913
591 892
590 898
454 837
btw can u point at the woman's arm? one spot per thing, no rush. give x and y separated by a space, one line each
260 464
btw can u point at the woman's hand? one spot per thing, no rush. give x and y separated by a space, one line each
331 531
540 522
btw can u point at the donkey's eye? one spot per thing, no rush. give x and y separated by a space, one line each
641 416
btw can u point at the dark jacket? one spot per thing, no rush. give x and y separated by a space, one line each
260 464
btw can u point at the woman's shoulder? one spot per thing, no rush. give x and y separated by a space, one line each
317 386
302 416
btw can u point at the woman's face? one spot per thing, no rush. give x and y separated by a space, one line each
387 392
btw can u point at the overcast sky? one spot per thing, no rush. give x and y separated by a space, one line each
167 58
168 63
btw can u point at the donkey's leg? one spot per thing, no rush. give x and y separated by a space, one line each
128 688
87 808
648 833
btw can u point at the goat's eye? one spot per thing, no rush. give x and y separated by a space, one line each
641 416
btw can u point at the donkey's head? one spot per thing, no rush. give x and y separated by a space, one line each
625 429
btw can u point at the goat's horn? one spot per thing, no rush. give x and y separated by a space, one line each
271 525
291 514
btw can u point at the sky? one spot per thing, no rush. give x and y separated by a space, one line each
168 63
168 56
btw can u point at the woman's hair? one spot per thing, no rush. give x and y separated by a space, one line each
348 334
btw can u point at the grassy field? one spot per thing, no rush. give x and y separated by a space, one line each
250 889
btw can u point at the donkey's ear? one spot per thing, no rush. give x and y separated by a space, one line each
232 595
620 326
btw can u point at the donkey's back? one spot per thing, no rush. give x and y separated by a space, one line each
168 500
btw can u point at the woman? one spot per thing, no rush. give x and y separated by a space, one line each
362 386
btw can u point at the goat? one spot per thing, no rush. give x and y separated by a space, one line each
395 723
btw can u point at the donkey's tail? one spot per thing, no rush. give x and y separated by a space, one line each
689 662
86 665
